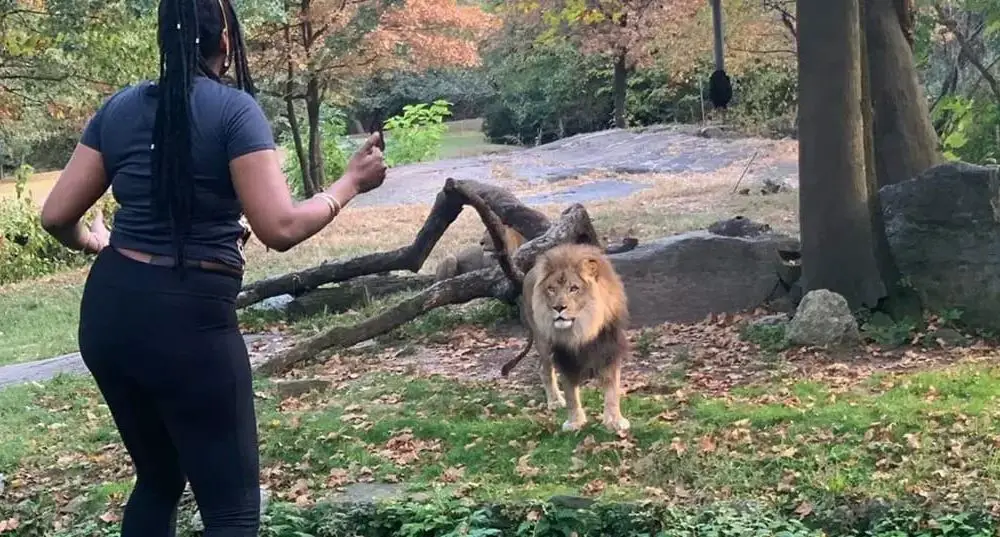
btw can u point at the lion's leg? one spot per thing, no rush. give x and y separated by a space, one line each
613 418
577 417
553 396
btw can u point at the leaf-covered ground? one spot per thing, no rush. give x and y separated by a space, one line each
714 415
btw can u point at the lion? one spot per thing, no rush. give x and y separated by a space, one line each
476 257
574 306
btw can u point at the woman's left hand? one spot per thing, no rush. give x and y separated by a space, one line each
99 230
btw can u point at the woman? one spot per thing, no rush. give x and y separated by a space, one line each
185 157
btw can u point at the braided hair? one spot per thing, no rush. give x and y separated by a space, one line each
190 33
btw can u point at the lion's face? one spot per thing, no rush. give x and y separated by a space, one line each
567 297
575 293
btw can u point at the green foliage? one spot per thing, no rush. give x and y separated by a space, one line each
467 89
769 337
971 129
26 249
415 135
544 92
453 517
336 150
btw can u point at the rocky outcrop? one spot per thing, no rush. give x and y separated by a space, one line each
686 277
943 229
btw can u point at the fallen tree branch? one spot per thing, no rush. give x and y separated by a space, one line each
573 225
350 294
447 206
493 227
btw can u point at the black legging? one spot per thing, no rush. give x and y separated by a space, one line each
169 359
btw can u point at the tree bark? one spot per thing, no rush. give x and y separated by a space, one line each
447 206
905 143
316 168
619 89
836 228
293 119
351 294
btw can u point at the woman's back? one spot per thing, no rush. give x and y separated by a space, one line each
225 123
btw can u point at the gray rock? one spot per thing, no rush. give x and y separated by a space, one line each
738 226
299 387
771 320
943 229
823 319
686 277
198 525
367 493
948 337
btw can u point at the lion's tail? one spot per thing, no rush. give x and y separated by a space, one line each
512 363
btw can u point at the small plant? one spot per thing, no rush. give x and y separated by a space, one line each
415 135
769 337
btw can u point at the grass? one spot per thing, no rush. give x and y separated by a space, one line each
39 319
929 436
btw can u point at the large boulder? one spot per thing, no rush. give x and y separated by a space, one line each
685 277
943 229
823 319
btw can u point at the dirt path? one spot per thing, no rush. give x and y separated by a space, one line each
609 157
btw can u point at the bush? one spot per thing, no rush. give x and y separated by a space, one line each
468 90
26 249
415 135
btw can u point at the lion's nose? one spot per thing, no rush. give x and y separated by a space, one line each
559 308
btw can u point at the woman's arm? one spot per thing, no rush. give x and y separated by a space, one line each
276 219
79 186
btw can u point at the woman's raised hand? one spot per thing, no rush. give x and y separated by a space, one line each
366 169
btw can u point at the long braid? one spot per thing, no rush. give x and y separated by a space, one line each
173 180
189 32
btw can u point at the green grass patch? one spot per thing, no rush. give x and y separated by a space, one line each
929 437
39 321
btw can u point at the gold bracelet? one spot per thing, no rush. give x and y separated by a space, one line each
332 202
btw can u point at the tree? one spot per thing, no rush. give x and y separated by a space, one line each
316 50
838 247
622 30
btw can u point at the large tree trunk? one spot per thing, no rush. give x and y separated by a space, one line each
904 139
316 171
618 90
837 240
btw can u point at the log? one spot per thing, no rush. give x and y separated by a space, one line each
447 206
347 295
573 225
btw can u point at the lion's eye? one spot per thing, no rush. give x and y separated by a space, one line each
551 290
574 288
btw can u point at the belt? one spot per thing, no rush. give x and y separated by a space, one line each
167 261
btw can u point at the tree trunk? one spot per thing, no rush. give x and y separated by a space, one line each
837 241
904 139
618 89
293 119
316 170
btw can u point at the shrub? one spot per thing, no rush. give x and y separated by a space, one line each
415 135
26 249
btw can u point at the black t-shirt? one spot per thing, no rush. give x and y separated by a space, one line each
226 123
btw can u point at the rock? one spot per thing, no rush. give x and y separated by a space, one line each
943 230
299 387
738 226
198 525
771 320
947 337
686 277
367 493
823 319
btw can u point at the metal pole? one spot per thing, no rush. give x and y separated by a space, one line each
717 29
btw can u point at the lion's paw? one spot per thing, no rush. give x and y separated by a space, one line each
557 402
617 424
573 425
